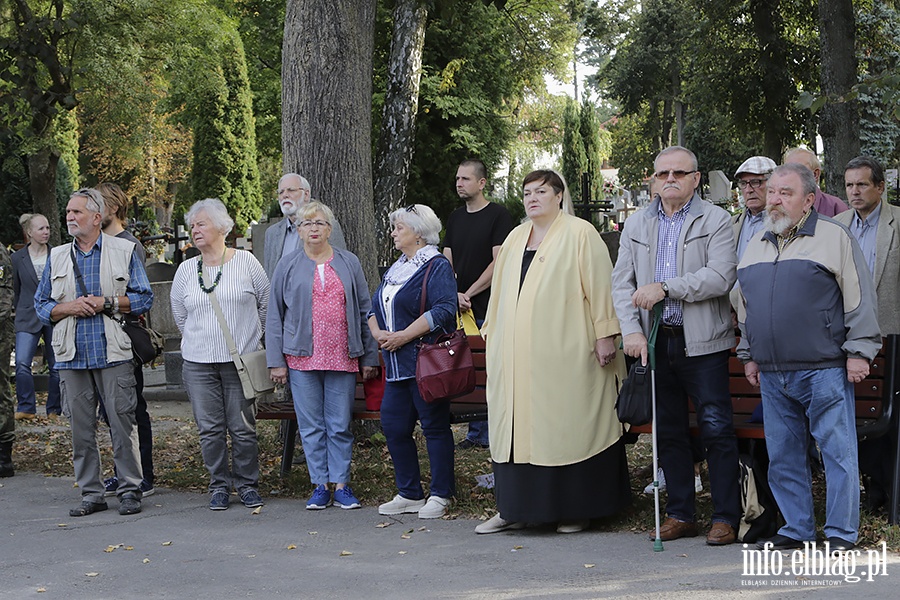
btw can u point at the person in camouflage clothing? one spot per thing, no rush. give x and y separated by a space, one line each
7 339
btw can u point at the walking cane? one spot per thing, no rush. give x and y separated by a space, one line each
651 352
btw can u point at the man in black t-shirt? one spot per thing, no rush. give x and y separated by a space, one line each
474 235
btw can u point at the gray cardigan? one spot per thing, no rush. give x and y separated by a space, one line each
289 323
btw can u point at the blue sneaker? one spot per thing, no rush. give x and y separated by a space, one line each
320 499
110 486
250 498
345 499
147 488
219 500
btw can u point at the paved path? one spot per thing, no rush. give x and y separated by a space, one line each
181 549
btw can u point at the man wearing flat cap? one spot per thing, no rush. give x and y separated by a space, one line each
751 178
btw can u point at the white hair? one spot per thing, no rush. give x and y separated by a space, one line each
215 211
421 219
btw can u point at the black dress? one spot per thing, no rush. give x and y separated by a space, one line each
595 487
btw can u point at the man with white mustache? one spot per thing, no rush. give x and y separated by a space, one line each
283 237
810 330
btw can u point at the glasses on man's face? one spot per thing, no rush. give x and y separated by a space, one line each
754 184
316 224
289 190
663 175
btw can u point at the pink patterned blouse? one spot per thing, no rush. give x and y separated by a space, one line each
330 349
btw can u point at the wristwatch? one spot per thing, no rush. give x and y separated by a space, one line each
665 288
107 304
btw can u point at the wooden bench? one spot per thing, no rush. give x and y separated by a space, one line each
471 407
877 411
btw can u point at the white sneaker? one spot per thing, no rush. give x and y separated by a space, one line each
435 508
572 526
661 477
698 483
400 505
497 523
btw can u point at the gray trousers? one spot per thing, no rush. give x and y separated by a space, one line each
78 388
220 410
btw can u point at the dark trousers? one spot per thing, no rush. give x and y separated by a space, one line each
705 380
401 407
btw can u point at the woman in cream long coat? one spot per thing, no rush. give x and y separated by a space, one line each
551 366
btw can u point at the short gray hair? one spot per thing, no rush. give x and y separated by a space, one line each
672 150
421 219
215 211
807 177
304 184
94 198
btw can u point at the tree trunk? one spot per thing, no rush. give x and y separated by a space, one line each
777 82
396 142
42 180
327 112
839 125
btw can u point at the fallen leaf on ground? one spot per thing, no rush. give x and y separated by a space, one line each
167 543
313 533
129 547
292 546
257 510
41 590
423 528
404 537
383 525
589 566
91 574
517 547
402 552
112 548
146 560
346 553
62 524
410 531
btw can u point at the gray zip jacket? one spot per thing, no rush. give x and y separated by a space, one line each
706 272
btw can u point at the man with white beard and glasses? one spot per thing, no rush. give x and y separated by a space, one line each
810 330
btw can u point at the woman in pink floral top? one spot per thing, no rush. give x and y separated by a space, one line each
317 340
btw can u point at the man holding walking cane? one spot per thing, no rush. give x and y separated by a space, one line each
680 250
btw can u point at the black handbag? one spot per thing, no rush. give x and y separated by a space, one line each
635 403
146 344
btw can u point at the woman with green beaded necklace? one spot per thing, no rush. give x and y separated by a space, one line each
241 288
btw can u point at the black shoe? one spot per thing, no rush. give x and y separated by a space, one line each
88 508
836 544
467 443
779 542
129 504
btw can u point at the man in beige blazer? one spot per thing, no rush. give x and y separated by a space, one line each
876 226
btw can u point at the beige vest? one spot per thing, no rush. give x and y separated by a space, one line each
115 260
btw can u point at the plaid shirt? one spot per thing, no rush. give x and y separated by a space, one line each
90 335
667 258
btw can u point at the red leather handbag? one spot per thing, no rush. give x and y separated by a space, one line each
444 369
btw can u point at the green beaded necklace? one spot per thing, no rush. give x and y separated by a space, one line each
210 289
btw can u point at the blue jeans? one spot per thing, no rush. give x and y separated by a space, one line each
26 345
705 380
221 410
401 407
478 432
323 401
821 402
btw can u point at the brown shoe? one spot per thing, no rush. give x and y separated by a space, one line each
672 529
721 534
24 416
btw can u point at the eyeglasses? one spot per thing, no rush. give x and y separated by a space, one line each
755 184
663 175
291 190
412 208
317 224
